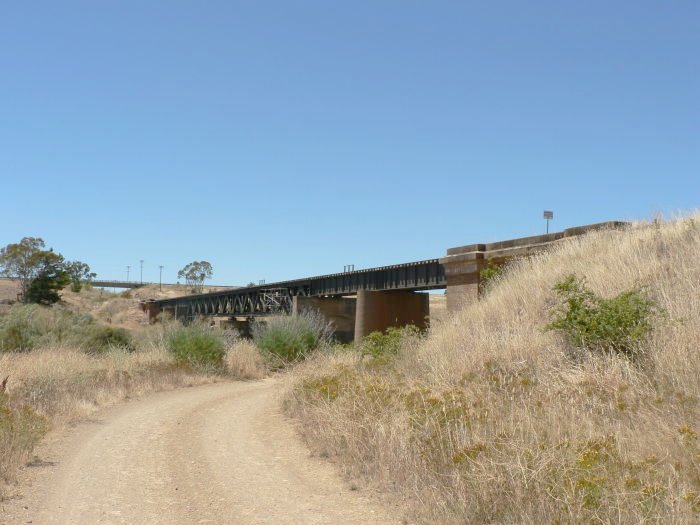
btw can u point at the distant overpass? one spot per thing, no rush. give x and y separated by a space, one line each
117 284
137 284
385 296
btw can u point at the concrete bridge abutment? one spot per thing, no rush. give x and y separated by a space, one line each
463 279
463 264
379 310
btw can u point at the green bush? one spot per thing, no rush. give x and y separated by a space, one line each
286 339
98 338
616 325
19 330
383 345
197 346
26 327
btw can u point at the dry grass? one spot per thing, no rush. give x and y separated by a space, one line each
54 386
118 309
488 421
66 385
243 361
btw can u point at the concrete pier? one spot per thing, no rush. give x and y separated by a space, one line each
339 310
377 311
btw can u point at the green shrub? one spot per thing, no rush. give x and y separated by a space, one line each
615 325
388 343
489 275
197 346
18 329
26 327
286 339
98 338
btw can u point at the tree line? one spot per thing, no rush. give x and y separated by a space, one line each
41 273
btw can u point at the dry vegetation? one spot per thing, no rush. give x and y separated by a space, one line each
119 308
490 419
57 383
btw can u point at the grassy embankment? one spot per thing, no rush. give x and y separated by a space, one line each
493 419
62 366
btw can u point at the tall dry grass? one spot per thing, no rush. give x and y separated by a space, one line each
487 420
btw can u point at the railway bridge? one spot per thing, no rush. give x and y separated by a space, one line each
362 301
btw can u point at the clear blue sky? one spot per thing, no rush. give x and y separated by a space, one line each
284 139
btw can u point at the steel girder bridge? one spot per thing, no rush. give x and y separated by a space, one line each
277 298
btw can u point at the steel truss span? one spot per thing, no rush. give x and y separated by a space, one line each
275 298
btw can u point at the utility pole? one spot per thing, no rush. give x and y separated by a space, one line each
141 271
127 273
160 278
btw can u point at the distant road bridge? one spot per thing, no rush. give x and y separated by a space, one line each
384 296
117 284
137 284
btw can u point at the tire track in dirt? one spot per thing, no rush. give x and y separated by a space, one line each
219 453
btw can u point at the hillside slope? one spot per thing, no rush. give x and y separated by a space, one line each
492 419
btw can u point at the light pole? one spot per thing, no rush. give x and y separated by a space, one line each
141 261
127 273
160 278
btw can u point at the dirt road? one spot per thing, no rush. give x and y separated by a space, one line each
220 453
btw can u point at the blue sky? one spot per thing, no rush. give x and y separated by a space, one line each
284 139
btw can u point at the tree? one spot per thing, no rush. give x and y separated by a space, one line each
79 272
41 273
195 273
51 277
21 261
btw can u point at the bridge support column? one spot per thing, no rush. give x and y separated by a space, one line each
152 309
339 310
377 311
